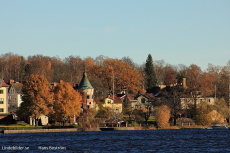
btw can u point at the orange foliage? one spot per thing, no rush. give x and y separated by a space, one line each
37 98
207 86
201 81
89 63
194 76
124 75
163 116
66 101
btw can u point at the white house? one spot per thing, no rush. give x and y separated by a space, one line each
14 96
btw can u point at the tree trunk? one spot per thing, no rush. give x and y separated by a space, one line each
174 119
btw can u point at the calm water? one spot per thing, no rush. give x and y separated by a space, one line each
190 140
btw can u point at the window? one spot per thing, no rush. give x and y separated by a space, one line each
143 100
87 96
193 101
1 100
1 109
117 109
208 100
109 102
1 91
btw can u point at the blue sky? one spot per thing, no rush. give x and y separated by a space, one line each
176 31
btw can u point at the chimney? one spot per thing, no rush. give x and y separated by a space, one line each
11 81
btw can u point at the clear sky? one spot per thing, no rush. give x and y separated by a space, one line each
176 31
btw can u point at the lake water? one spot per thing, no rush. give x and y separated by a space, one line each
184 140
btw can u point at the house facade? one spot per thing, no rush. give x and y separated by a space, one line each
14 96
117 103
144 100
186 101
3 97
114 103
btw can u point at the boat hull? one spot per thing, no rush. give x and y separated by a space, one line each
107 129
219 126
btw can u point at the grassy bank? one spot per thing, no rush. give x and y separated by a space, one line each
24 126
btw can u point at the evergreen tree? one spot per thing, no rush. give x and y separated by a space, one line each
150 74
27 72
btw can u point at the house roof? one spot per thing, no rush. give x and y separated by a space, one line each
17 87
117 100
84 84
133 97
3 84
150 96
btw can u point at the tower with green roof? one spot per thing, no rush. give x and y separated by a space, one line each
86 89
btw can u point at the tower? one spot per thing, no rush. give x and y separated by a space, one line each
86 90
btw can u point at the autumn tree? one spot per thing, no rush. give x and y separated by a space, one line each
202 111
194 81
129 61
222 84
12 66
172 98
145 113
207 114
41 65
74 67
194 77
37 98
162 116
66 102
105 113
100 89
99 60
208 84
222 107
159 69
149 70
87 120
119 73
58 69
170 75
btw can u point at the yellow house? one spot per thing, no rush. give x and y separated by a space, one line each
3 97
115 104
186 101
141 100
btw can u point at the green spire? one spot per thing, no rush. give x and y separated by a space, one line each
84 84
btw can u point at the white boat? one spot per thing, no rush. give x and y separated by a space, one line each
219 126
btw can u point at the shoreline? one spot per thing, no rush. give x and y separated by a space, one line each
41 130
5 131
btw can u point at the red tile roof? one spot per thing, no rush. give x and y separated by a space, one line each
3 83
